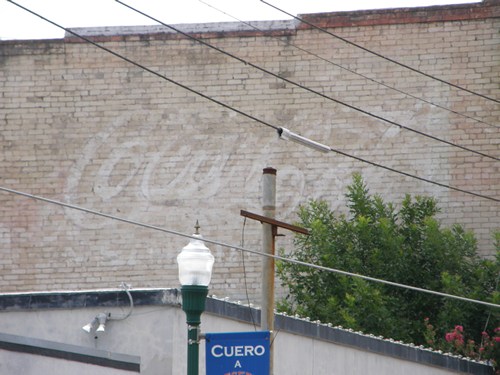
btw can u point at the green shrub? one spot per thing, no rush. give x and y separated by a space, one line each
407 246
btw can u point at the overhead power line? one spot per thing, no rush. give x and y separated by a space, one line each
352 71
287 80
240 248
241 112
414 176
379 54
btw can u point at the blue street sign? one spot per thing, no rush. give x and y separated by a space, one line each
238 353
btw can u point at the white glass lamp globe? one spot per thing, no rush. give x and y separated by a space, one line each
195 263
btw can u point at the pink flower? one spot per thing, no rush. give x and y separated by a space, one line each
496 338
450 337
459 328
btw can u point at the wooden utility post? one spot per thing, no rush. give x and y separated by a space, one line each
269 232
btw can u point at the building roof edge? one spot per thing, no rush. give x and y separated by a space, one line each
244 313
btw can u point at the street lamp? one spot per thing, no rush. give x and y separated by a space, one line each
195 271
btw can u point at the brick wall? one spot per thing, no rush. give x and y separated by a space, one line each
81 126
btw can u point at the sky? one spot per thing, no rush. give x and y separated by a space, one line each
16 23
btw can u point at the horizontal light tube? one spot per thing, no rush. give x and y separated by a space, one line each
288 135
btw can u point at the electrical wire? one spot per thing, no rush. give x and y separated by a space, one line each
306 88
126 288
244 113
289 43
414 176
235 247
379 54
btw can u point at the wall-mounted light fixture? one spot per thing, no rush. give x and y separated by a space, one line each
102 318
288 135
99 322
90 326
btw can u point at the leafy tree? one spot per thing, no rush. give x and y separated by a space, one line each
406 245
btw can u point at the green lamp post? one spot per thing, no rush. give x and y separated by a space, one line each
195 271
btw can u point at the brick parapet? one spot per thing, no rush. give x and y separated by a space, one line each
447 13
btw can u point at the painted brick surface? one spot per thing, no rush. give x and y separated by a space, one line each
81 126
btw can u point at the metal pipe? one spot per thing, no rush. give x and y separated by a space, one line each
268 234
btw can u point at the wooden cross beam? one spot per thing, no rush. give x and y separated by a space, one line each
275 223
